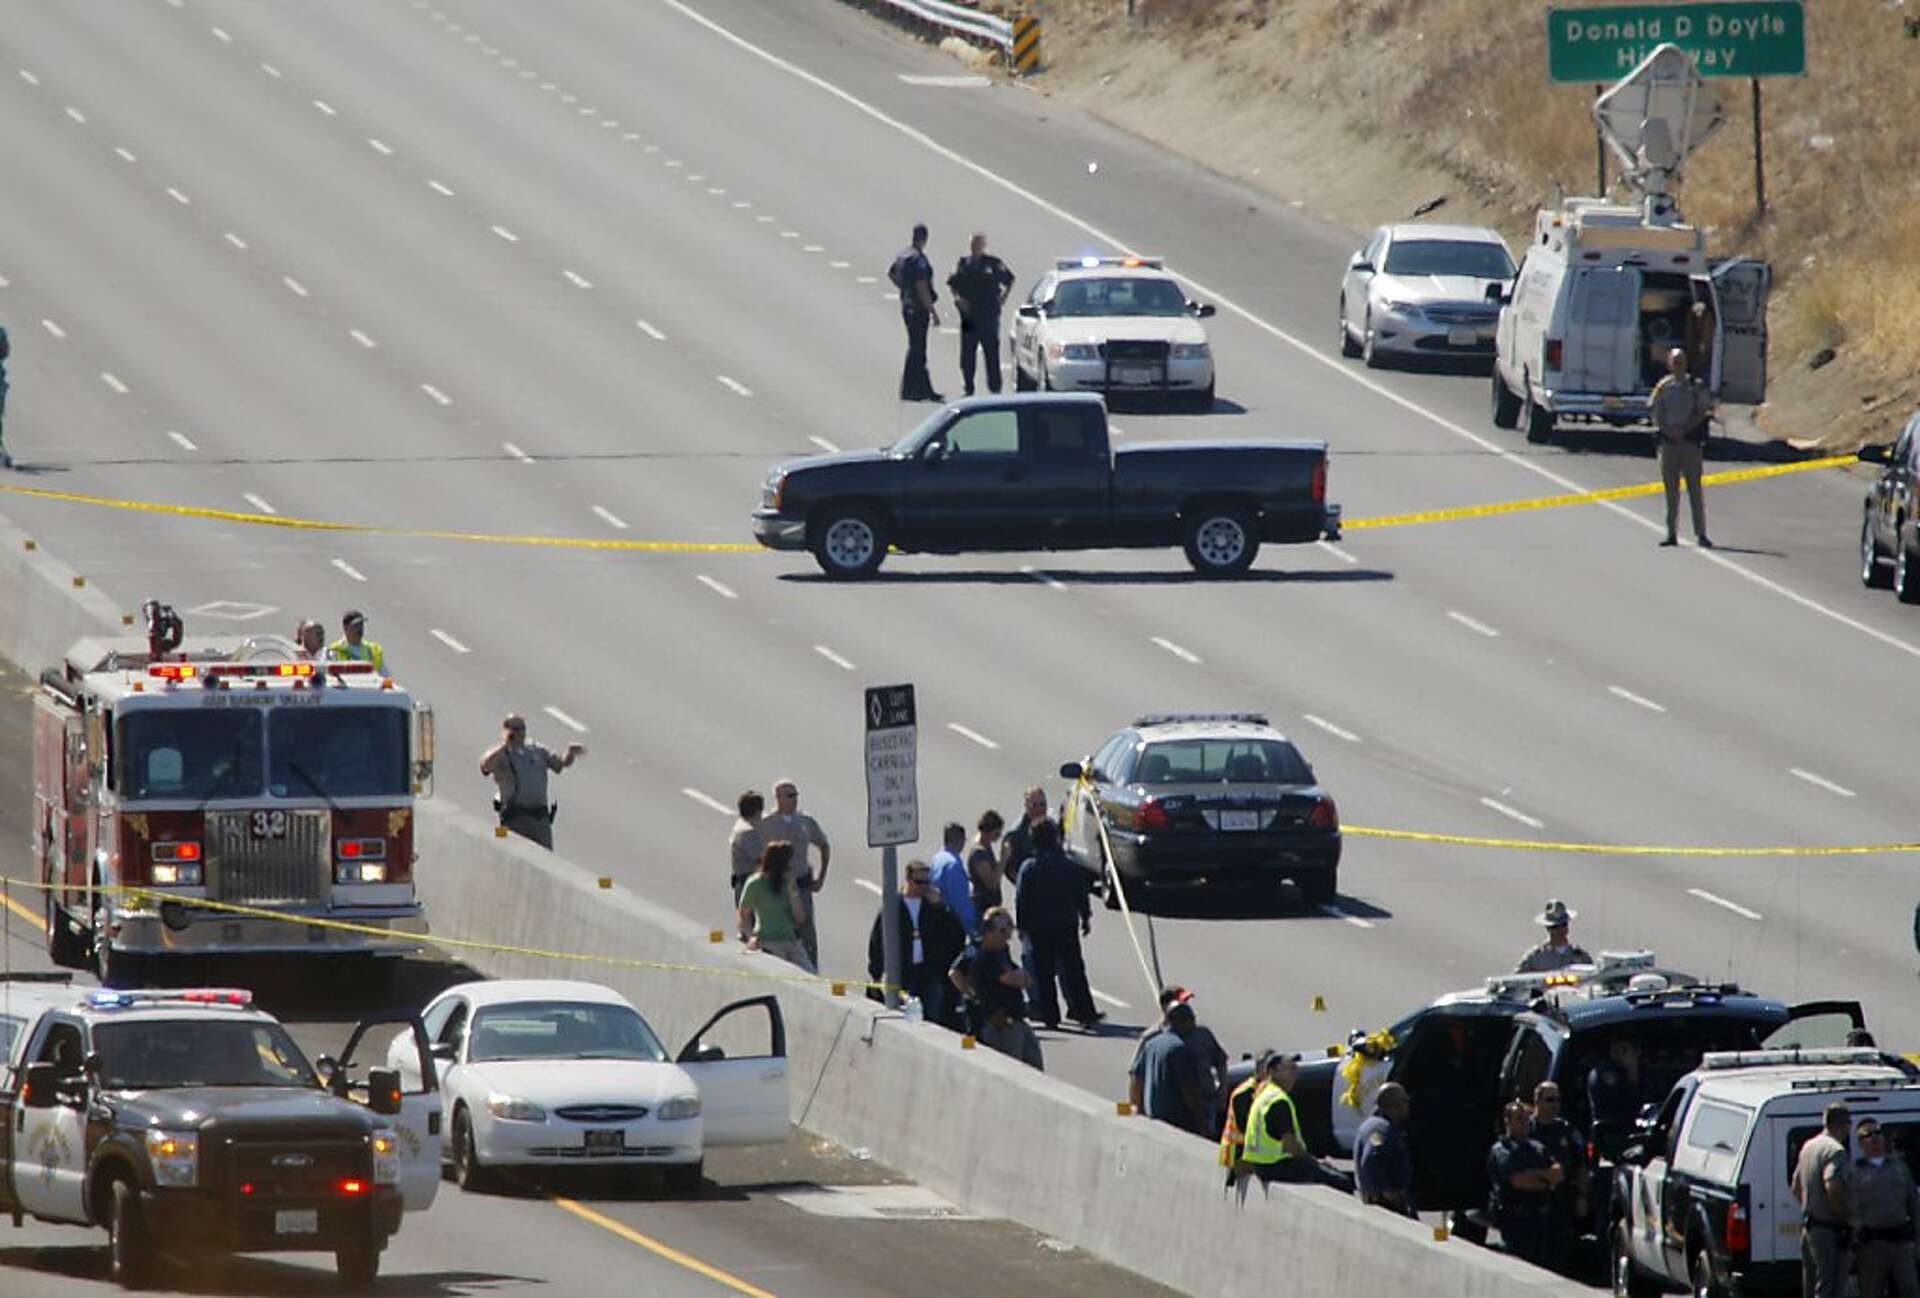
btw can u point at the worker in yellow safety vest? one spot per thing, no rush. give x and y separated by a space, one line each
1233 1132
1274 1148
354 647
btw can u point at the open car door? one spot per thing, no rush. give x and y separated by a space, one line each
1740 288
417 1126
743 1094
1816 1025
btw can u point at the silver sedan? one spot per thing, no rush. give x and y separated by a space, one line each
1419 290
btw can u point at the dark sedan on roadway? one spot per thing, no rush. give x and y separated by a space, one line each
1204 799
1889 544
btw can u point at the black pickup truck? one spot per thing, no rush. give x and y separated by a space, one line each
1038 473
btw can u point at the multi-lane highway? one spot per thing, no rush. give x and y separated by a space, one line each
584 271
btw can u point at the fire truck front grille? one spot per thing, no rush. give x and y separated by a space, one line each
256 868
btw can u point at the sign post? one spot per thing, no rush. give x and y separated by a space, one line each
893 807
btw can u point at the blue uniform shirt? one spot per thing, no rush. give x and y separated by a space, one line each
1382 1163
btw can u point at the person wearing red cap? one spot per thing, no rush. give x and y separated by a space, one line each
1210 1057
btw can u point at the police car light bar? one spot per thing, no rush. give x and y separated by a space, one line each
1168 718
110 1000
1720 1060
1091 262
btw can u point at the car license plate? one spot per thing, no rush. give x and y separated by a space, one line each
1463 337
1134 375
296 1221
606 1142
1240 820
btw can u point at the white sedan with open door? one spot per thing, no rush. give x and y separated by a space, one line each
546 1073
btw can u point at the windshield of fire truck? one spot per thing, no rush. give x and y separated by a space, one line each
337 752
190 754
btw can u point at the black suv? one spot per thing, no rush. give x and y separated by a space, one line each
1465 1055
1204 799
1889 545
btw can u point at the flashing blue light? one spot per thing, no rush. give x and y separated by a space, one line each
1090 262
109 1000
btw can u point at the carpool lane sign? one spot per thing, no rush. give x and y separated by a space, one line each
1753 38
893 798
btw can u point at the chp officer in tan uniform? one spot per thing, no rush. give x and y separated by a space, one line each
1884 1205
1558 951
1821 1182
519 768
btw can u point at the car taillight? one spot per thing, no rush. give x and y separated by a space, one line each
176 851
1739 1234
353 1185
1324 815
1151 815
1320 482
363 849
1553 353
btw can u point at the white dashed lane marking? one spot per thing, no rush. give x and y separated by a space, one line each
1338 732
1334 912
298 288
575 278
824 445
325 107
1183 654
76 115
516 452
259 503
177 196
719 588
29 78
269 69
870 886
438 396
734 385
222 33
1512 813
362 339
380 146
1638 700
967 732
506 234
185 443
235 240
570 723
608 517
449 641
1472 624
54 329
113 381
1820 781
125 154
1336 552
439 188
650 331
706 801
833 658
1109 999
349 569
1723 903
1045 579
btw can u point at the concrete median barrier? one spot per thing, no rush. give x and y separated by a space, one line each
987 1133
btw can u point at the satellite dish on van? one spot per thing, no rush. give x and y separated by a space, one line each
1653 119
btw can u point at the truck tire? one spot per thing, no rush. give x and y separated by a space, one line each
848 542
1506 406
358 1263
1629 1281
1348 347
1906 568
130 1252
1700 1276
1539 423
1875 573
1220 541
64 948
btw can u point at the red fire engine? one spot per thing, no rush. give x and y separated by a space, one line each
223 769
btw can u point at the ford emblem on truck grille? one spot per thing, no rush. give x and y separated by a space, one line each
293 1160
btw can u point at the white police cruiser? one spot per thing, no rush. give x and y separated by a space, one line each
1117 325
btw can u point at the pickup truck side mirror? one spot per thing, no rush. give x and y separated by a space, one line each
1873 454
1070 770
37 1091
1204 310
383 1091
934 452
1027 311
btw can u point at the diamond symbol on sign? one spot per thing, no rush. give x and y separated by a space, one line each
231 610
873 709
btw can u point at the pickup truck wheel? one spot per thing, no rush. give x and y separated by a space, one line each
1700 1275
1906 568
1221 542
1506 406
130 1251
1628 1280
63 948
849 544
1874 572
468 1172
1539 423
1348 348
357 1263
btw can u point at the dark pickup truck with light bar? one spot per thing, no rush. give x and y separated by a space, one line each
1039 473
187 1123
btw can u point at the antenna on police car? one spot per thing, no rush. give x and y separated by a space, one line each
1653 119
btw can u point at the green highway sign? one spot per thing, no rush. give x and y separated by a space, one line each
1743 38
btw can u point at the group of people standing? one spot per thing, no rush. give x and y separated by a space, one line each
980 283
773 876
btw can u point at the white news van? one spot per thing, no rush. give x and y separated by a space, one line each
1602 294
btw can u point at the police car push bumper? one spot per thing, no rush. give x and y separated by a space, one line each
1080 367
180 928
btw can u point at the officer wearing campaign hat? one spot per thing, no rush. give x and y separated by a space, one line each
1558 951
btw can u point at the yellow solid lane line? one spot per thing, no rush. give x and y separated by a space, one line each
666 1251
19 908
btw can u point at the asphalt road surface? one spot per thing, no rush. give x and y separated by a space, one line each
805 1220
586 271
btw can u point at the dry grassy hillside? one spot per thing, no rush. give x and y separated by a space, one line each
1363 109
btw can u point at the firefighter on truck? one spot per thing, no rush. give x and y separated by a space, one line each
194 795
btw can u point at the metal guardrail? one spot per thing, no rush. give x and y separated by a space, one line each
957 17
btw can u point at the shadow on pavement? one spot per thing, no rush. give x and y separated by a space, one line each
1091 577
1638 444
1224 903
252 1275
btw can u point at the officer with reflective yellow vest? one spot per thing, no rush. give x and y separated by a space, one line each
354 647
1274 1148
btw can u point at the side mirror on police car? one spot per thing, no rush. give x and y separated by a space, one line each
1204 310
1028 311
42 1080
1070 770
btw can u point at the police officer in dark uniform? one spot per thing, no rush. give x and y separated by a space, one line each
912 274
979 285
1382 1163
1523 1178
1614 1096
1567 1146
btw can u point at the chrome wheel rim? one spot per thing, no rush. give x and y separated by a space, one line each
1900 566
850 543
1220 542
1866 550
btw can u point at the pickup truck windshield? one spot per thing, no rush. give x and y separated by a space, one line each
1119 296
159 1054
333 752
1225 761
191 755
1448 257
562 1030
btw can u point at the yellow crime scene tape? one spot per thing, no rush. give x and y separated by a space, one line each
838 985
747 547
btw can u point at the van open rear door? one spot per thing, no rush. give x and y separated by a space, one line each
1740 287
1602 351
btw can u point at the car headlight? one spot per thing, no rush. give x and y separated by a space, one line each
511 1108
171 873
770 493
175 1156
1074 351
1191 351
386 1157
1402 308
359 871
684 1106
